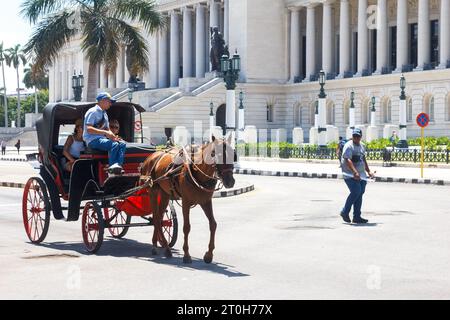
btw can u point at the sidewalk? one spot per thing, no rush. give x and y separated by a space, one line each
271 167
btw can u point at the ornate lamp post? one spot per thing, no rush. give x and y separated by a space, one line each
130 95
352 110
403 142
230 68
322 139
77 86
211 120
372 113
316 115
241 119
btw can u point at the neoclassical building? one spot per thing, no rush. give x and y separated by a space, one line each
362 45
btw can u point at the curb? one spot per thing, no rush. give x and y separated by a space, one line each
337 176
217 194
13 159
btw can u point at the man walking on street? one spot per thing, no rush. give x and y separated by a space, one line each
354 168
3 145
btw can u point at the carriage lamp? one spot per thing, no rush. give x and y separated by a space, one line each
322 94
373 104
77 85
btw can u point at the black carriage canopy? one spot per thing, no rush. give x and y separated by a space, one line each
57 114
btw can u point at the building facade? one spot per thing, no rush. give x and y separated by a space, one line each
362 45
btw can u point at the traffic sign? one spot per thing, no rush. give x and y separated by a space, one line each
137 125
422 120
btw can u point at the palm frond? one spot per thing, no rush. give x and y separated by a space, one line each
143 11
35 9
50 35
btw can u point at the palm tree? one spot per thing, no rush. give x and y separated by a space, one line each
5 101
14 57
105 26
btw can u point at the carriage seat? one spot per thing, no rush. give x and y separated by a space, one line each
131 148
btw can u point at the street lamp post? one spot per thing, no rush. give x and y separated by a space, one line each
77 86
352 110
211 120
230 68
316 115
241 119
403 142
373 113
322 139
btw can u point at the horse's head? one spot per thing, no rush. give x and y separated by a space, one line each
224 156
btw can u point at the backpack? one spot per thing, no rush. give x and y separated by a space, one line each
341 145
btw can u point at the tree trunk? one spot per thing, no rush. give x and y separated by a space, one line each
92 83
4 97
18 99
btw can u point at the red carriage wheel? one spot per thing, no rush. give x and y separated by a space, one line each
120 218
93 227
36 210
170 225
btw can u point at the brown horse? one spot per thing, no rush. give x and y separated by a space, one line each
192 177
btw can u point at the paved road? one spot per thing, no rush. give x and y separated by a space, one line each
282 241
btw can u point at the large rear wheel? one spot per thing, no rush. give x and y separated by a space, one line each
36 210
93 226
170 225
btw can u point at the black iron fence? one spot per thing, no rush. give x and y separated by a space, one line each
386 155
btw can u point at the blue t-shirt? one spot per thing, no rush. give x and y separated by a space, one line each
97 118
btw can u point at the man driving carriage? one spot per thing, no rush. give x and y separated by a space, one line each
98 135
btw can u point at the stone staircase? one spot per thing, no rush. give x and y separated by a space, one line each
27 136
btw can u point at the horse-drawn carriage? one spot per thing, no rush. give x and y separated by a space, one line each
104 201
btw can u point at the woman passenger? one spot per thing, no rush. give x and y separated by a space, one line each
74 145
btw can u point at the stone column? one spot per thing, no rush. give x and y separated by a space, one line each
402 34
310 41
119 70
444 40
295 43
344 47
363 38
103 81
213 13
187 42
200 43
226 19
382 36
423 41
327 38
153 61
174 48
111 80
163 65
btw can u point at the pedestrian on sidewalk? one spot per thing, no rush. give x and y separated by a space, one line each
17 145
3 145
354 168
340 148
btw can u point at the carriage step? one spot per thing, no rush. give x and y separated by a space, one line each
130 225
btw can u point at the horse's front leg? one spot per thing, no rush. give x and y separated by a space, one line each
208 210
186 229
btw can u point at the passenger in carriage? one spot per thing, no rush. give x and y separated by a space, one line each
114 125
98 135
74 145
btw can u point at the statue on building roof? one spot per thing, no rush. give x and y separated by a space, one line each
218 48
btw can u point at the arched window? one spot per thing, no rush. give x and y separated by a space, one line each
409 110
365 106
347 112
387 111
331 114
431 109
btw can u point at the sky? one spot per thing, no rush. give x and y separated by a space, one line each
13 30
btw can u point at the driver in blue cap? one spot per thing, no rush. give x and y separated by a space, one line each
98 135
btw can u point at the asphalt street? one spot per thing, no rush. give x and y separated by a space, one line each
284 240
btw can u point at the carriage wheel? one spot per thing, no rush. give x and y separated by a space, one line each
121 218
36 210
93 227
170 225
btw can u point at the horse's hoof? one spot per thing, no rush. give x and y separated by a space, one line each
208 258
168 253
154 252
187 259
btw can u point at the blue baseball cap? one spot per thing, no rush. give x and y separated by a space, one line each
104 95
357 132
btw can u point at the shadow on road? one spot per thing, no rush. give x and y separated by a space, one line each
128 248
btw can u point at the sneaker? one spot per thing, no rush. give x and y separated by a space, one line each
345 217
360 220
115 169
